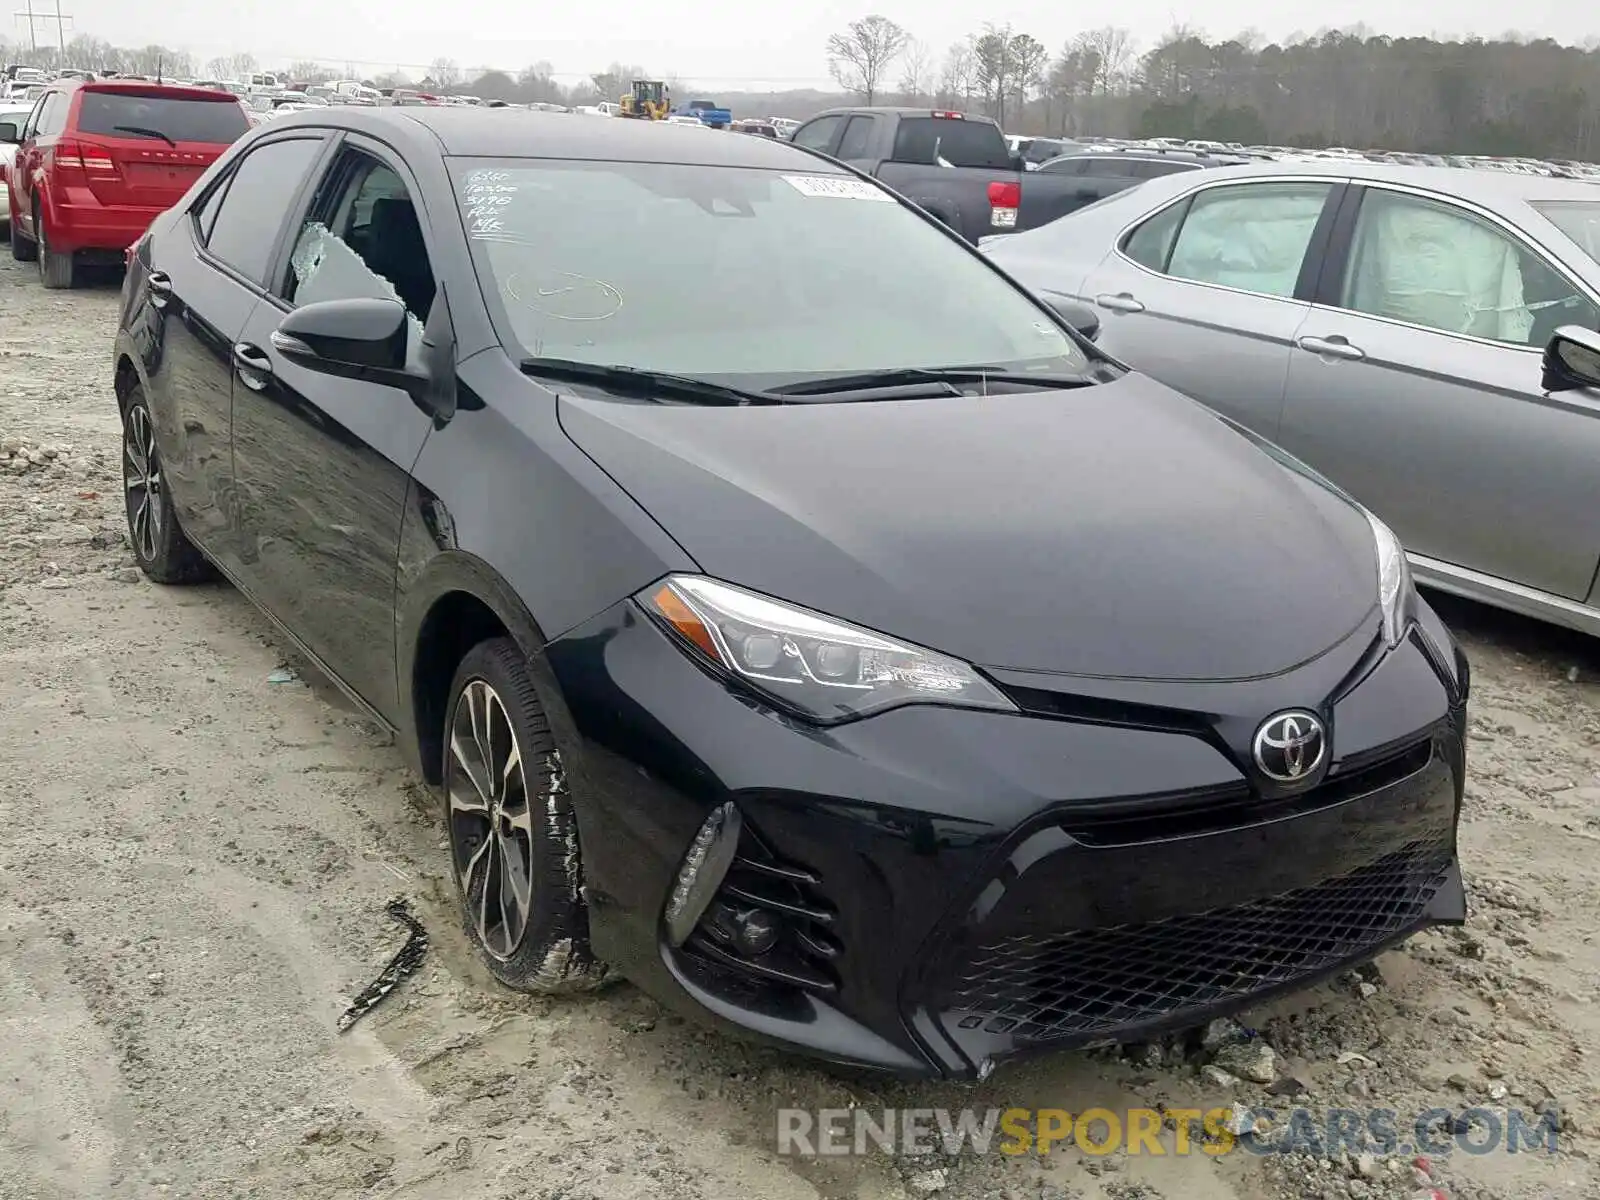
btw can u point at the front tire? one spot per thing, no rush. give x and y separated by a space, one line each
56 271
160 547
512 833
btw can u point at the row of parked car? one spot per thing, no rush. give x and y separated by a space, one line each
1039 150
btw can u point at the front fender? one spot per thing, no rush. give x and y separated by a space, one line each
448 571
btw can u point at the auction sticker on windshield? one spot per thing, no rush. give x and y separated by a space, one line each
834 186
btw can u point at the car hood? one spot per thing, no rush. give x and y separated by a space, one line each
1117 530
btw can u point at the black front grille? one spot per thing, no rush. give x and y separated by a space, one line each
1077 985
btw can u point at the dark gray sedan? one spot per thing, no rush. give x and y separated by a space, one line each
1389 325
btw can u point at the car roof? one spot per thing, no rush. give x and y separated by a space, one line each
1492 189
133 87
471 132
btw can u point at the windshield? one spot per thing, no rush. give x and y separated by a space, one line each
1578 219
180 118
752 277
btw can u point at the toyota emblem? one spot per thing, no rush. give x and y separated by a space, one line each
1290 746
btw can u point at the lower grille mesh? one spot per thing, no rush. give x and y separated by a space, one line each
1039 988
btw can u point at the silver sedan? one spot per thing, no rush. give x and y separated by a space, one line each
1394 327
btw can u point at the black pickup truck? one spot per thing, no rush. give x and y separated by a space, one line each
957 168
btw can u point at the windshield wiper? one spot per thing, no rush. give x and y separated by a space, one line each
147 132
897 377
640 382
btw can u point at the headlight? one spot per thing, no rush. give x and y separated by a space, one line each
1396 596
824 668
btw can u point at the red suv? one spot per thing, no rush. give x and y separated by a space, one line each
99 160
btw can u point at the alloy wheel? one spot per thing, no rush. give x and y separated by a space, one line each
490 819
141 478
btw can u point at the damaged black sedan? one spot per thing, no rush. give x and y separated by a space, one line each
795 615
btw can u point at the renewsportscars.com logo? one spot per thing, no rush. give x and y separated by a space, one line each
1176 1131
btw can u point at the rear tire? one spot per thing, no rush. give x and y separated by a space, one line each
511 830
160 547
56 271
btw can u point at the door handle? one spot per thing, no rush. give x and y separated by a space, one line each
159 284
253 365
1121 302
1336 346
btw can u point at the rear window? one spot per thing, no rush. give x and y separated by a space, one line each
959 143
179 119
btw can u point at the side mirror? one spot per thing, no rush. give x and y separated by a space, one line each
9 134
1077 314
1572 359
362 339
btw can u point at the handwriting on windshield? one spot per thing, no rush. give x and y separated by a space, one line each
485 196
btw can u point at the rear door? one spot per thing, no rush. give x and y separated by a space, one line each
155 142
207 273
1206 294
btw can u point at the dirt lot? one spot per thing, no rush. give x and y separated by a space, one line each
195 861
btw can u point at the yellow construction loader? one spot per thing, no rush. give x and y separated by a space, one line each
649 101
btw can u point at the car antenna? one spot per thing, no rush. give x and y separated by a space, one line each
158 69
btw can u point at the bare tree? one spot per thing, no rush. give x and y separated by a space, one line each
310 71
859 57
957 75
1112 47
444 72
916 77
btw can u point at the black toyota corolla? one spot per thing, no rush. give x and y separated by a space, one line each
795 616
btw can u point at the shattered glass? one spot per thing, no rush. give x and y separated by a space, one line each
325 268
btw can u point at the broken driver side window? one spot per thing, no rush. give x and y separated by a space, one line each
362 239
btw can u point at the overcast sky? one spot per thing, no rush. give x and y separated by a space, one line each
714 43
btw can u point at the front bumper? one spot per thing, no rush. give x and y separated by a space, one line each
957 888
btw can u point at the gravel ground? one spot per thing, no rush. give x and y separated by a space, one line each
195 861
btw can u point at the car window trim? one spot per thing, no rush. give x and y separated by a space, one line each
1314 251
203 251
1333 275
311 194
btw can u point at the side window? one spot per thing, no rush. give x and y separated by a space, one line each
30 127
1251 236
363 239
857 138
1078 164
1436 265
52 114
1150 245
205 217
818 134
257 202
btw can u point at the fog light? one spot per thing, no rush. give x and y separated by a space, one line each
705 865
755 932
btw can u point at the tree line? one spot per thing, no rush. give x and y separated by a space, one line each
1353 87
1338 88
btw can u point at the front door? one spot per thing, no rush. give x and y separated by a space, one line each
323 464
1417 389
1203 294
